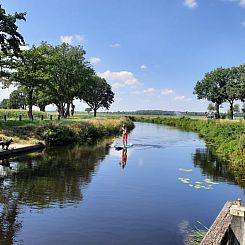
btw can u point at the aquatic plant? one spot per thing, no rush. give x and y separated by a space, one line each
195 235
198 184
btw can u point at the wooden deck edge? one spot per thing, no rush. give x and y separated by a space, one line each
20 150
219 228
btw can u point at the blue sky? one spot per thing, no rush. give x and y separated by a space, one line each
152 52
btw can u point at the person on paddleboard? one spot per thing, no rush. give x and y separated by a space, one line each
124 136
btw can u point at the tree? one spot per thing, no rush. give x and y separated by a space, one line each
30 72
41 98
97 94
211 107
68 72
18 99
232 87
88 110
236 108
242 83
212 86
4 104
10 38
243 110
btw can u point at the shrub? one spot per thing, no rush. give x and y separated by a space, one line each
59 135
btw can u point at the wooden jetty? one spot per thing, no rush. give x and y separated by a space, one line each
229 226
16 149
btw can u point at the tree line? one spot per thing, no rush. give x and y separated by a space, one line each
48 74
222 85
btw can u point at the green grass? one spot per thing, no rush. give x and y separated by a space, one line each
77 129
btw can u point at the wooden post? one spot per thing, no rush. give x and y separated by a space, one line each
58 117
42 117
32 117
51 118
5 118
20 117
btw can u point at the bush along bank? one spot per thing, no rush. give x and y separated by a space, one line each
83 132
226 138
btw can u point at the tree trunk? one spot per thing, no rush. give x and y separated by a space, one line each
217 110
95 111
231 109
61 109
42 107
67 111
72 109
30 95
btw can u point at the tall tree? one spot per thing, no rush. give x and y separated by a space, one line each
242 83
236 108
42 98
231 89
97 94
212 86
30 72
10 38
68 73
4 104
211 107
18 99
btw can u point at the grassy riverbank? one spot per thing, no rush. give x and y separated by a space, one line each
227 138
62 132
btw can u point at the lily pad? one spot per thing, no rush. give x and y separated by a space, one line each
209 181
184 180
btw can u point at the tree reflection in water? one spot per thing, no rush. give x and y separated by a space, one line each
214 167
55 176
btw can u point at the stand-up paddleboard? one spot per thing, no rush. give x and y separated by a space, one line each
118 148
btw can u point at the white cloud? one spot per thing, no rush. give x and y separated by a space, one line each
183 98
72 39
136 92
143 67
154 90
167 91
79 38
120 78
95 60
179 97
150 90
115 45
190 3
117 85
240 2
66 39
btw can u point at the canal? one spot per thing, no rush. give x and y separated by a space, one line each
164 185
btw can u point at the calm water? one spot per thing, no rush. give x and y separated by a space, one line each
86 195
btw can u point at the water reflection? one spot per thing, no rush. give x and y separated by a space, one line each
9 224
53 177
124 158
214 167
43 194
4 168
56 175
